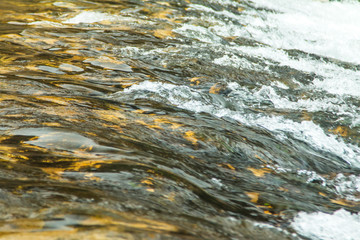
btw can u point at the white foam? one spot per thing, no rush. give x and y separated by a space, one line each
233 60
222 13
316 27
198 32
344 186
326 28
223 23
225 2
311 133
347 187
312 176
335 105
191 99
90 17
292 26
336 80
321 226
217 182
182 96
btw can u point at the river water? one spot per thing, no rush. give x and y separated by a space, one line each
188 119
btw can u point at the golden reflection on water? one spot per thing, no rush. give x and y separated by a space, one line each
46 60
106 228
77 165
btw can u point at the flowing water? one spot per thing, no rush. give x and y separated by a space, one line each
187 119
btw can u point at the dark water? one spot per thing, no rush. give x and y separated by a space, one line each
90 148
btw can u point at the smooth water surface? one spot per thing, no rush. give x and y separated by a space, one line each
181 119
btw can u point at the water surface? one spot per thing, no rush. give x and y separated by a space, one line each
179 119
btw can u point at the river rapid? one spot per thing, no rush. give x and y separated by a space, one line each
187 119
